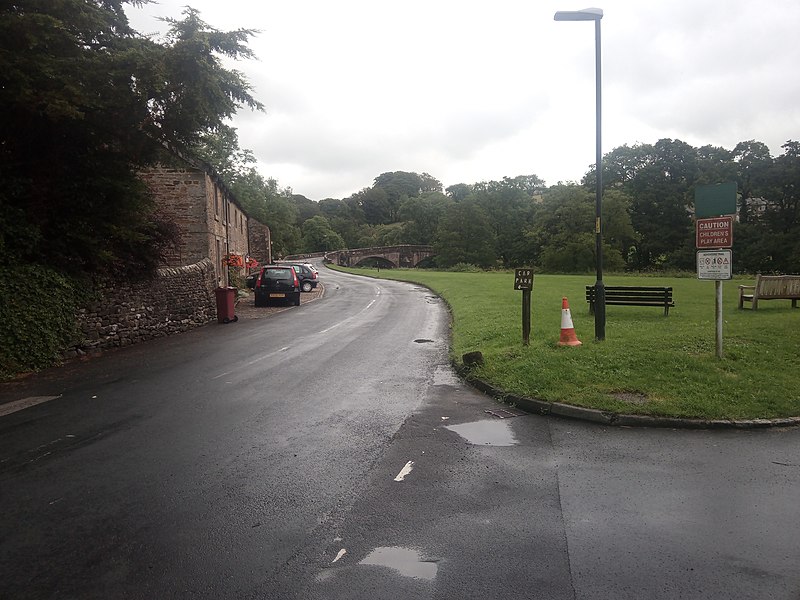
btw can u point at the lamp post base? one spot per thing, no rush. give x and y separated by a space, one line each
599 311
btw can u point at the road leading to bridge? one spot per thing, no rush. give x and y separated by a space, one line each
328 451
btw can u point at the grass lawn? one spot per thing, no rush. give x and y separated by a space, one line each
649 364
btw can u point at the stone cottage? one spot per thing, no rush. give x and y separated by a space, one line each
215 233
212 224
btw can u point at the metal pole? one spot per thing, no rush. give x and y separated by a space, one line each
718 315
600 290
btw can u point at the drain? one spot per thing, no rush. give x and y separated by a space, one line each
423 341
504 413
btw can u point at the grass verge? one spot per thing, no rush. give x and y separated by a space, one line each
649 364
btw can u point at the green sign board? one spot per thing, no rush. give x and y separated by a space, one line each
715 200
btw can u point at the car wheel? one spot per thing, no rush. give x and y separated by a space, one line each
306 286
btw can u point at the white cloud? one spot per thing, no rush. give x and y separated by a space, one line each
470 91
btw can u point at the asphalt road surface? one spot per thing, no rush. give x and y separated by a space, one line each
328 452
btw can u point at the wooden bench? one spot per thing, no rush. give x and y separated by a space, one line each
771 287
633 296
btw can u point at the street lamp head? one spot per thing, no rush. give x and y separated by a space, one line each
587 14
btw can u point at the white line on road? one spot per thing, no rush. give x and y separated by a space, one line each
367 307
342 552
12 407
405 471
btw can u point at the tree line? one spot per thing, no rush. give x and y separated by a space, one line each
647 205
88 102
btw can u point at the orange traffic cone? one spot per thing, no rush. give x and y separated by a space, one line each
568 337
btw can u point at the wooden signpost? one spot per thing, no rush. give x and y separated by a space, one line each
523 280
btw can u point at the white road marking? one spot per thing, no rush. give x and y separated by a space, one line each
342 552
12 407
367 307
405 471
265 356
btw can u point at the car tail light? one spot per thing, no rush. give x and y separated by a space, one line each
258 281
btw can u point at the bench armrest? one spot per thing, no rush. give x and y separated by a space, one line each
747 287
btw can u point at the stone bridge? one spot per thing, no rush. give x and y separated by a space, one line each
384 256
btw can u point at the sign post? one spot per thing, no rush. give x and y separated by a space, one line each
716 265
523 280
714 205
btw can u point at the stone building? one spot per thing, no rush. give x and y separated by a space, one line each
211 222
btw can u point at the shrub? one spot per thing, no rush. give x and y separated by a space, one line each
465 268
37 317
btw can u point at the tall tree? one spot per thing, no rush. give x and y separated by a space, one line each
399 185
263 200
421 217
86 103
464 236
510 207
220 149
459 191
752 160
318 236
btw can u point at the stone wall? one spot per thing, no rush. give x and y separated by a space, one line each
211 223
176 300
182 197
260 242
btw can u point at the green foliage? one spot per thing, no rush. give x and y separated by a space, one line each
220 149
464 236
465 268
86 103
420 216
263 200
236 278
37 317
509 207
319 237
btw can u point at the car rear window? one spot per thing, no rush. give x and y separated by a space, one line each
278 273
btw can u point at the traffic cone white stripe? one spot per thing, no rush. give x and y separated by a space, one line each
568 337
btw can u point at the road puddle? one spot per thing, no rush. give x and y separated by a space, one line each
405 561
486 433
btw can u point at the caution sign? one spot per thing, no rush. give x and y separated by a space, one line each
714 233
714 264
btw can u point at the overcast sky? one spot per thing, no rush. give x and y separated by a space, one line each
474 91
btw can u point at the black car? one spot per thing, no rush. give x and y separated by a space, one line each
306 274
276 284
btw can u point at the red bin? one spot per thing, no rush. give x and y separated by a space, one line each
226 301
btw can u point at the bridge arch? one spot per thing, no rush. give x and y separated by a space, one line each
407 256
376 261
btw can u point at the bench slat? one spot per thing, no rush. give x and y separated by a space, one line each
633 296
771 287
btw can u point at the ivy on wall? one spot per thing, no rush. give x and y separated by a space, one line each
37 317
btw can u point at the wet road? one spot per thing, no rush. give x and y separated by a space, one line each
328 452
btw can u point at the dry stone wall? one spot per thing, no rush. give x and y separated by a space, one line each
176 300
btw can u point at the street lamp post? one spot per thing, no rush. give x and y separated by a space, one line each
595 14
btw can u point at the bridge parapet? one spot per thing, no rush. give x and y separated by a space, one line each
405 255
